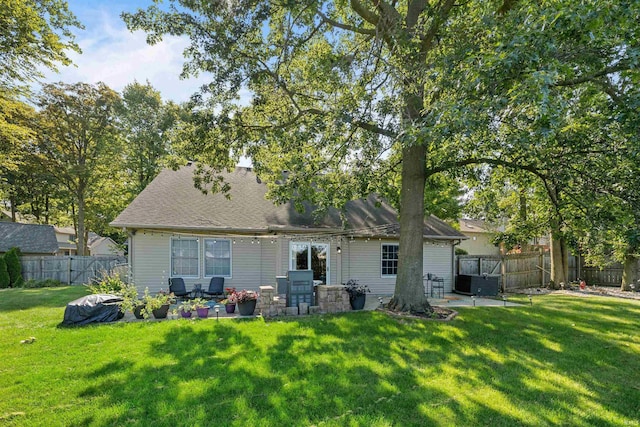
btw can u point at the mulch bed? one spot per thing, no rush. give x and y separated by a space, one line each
607 291
439 314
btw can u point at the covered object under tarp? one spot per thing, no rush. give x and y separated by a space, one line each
96 308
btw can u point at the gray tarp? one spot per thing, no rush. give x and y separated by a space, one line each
92 308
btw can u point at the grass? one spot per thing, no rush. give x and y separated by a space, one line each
566 361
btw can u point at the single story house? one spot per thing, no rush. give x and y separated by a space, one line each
480 235
177 231
32 239
98 245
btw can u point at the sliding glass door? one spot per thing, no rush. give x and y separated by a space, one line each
310 256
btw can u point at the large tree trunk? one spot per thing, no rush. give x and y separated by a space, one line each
409 294
630 273
559 260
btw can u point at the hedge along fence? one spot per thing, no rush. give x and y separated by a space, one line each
72 270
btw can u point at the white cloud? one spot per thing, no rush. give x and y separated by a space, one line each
117 57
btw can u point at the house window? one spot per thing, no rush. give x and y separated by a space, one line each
217 257
184 258
389 259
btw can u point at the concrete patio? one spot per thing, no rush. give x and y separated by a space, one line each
373 302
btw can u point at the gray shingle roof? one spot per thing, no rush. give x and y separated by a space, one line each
170 201
30 238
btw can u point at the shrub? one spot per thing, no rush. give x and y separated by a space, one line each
460 251
5 280
12 258
113 285
47 283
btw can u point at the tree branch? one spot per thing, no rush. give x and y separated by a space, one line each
489 161
373 128
622 66
441 16
326 19
365 13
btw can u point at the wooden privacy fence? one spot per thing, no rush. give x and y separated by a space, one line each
610 276
534 269
73 270
515 271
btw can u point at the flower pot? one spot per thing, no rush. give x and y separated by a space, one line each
247 308
161 313
137 311
357 302
230 308
186 314
203 313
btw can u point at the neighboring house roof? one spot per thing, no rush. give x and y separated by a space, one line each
172 202
476 226
30 238
65 230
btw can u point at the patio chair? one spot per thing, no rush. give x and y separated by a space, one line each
216 288
178 288
437 284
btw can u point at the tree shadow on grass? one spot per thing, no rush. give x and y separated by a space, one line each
17 299
368 368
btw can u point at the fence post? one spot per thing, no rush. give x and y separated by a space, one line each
503 273
541 264
69 271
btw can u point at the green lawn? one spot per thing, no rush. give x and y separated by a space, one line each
568 361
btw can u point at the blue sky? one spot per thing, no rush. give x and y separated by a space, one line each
115 56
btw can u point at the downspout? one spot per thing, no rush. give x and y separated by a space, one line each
131 256
453 263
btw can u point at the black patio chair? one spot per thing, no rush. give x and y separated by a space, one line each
178 288
216 288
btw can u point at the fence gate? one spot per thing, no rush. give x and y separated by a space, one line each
72 270
478 265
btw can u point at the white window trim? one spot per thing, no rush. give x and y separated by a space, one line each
388 276
171 256
204 258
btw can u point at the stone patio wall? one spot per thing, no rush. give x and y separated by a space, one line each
329 299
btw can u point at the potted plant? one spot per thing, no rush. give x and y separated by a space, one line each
158 304
357 293
246 301
201 306
186 309
230 301
138 310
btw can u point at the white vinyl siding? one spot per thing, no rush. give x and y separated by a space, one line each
256 264
438 260
361 261
185 258
150 255
389 260
217 258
